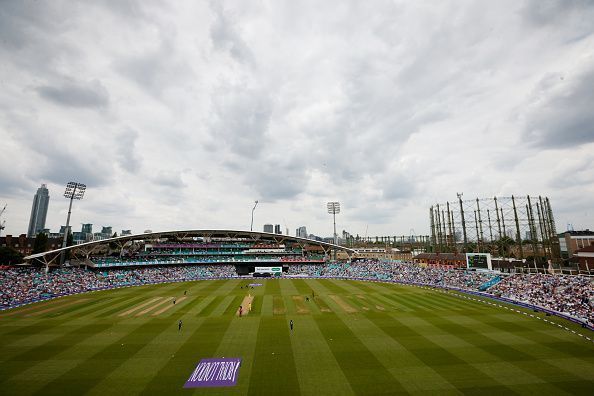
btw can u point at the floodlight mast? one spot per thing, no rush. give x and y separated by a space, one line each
254 208
334 209
74 190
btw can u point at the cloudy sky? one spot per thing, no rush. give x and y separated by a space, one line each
181 114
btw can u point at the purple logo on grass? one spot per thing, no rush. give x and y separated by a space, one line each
215 372
255 284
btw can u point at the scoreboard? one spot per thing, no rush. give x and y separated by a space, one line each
478 261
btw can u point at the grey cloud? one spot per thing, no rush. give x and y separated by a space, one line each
126 154
543 12
224 35
61 166
277 179
397 187
157 70
169 179
240 122
12 184
562 115
578 174
76 94
23 22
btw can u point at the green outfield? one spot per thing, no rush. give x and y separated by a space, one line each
352 338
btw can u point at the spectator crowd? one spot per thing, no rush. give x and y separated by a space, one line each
21 285
572 295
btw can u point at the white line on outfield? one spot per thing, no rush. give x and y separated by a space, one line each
524 313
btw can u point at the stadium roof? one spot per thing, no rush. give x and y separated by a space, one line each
87 248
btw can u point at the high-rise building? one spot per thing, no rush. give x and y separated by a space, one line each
126 232
268 228
107 231
277 229
38 211
301 232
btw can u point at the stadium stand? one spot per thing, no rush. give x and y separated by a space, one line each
570 295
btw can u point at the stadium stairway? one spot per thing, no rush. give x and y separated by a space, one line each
490 283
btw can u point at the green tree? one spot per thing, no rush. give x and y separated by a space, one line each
69 242
504 245
113 245
10 256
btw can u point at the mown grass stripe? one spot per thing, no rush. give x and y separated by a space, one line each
143 305
348 288
406 304
118 307
365 374
36 306
414 375
287 287
240 340
289 304
363 287
224 304
316 287
272 286
388 303
302 287
321 304
91 371
204 340
451 303
212 305
200 304
449 366
234 305
335 288
78 311
257 305
275 355
358 303
311 352
47 351
435 301
471 336
523 350
267 305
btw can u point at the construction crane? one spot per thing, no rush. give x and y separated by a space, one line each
3 223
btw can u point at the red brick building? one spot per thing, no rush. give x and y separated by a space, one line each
24 245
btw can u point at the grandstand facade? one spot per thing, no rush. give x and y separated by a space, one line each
246 250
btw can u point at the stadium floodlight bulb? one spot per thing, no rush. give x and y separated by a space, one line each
75 190
333 207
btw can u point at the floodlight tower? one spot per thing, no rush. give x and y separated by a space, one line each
254 208
74 190
334 209
2 223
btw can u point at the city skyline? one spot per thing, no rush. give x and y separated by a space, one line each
386 107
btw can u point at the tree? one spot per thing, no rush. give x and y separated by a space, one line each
504 244
10 256
113 245
41 243
69 242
